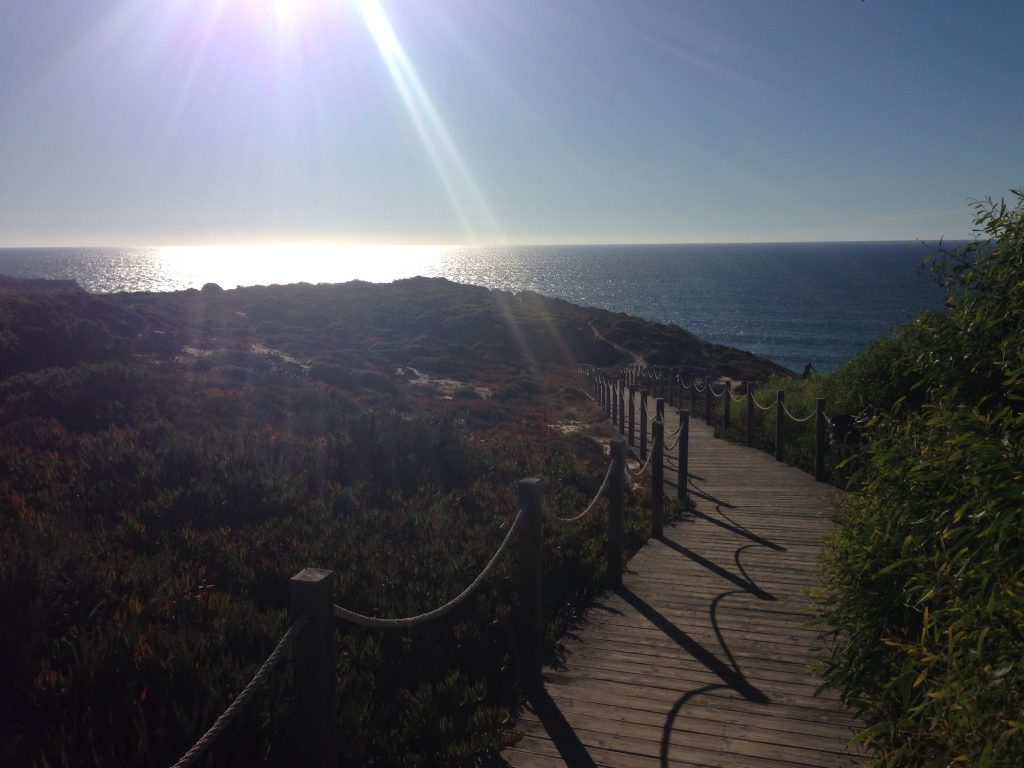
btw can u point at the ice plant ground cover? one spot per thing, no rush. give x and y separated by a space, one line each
170 460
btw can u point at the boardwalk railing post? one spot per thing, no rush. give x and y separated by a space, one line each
679 383
750 415
643 427
727 405
315 663
530 625
684 453
632 414
709 414
616 511
622 407
819 440
693 395
614 412
659 409
658 476
780 421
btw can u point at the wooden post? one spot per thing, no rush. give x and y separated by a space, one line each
693 395
643 427
658 476
679 384
684 453
709 414
616 511
531 627
614 412
659 409
750 415
315 664
671 387
780 421
632 413
622 407
727 405
819 440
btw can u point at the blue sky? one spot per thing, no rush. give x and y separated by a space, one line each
157 122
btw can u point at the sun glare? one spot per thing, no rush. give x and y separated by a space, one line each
280 263
288 16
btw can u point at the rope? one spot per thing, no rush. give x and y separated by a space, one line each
242 699
794 418
585 512
412 621
642 469
737 398
716 394
684 385
758 404
675 443
698 387
674 432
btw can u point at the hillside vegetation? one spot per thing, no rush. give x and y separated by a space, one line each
168 461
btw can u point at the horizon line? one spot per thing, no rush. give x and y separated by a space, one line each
344 244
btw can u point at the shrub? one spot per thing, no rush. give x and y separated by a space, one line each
923 579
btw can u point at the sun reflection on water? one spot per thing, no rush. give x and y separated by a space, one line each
232 265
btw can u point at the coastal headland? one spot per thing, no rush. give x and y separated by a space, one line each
171 459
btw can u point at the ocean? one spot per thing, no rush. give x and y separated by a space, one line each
790 302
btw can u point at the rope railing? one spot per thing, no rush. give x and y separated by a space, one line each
674 443
590 506
640 472
412 621
808 417
722 418
236 706
312 625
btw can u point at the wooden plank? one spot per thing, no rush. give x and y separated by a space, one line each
703 656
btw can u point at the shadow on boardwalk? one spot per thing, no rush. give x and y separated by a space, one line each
702 657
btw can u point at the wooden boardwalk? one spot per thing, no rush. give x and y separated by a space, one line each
701 658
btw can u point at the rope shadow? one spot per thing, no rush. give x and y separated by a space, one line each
666 729
732 677
673 714
707 496
738 529
744 584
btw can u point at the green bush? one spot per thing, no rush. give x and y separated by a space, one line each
924 578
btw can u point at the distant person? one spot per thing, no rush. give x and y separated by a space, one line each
808 370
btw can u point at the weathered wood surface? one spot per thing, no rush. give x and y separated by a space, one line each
702 658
